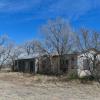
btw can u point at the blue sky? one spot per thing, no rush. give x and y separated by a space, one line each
21 19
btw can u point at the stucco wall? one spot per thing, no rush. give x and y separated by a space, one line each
84 56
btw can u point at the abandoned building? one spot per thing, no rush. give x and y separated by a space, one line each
46 64
51 64
85 61
26 64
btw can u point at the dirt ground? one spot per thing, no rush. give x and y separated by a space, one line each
17 86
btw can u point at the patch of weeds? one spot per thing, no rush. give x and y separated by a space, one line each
87 79
72 76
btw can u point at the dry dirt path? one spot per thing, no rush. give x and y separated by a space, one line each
49 91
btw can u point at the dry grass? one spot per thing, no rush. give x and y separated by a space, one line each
19 86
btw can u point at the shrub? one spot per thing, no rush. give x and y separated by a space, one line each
72 75
86 79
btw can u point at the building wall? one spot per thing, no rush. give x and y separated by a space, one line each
72 66
52 64
44 65
82 58
55 65
36 65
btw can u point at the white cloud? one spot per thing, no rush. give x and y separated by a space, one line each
72 9
44 9
18 5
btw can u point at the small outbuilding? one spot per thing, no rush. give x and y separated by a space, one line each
26 64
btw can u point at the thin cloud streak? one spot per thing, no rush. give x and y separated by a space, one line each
17 6
45 9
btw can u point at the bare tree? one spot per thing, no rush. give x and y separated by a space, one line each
87 41
33 47
16 51
27 47
5 49
58 37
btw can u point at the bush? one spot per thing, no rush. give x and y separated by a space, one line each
86 79
72 76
